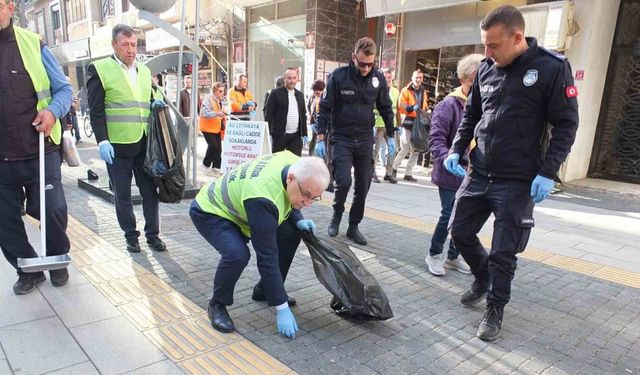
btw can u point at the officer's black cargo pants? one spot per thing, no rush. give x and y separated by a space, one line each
347 155
511 204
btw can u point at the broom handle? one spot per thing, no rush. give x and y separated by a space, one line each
43 214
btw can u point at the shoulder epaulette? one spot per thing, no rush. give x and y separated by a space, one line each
553 53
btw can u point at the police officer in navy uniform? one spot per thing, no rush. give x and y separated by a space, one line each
519 87
347 104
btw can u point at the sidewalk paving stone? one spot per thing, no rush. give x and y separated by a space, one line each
40 346
85 368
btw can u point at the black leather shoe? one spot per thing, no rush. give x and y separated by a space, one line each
59 277
133 246
27 282
219 317
334 227
156 244
375 179
354 234
329 188
489 329
410 179
475 294
390 179
258 295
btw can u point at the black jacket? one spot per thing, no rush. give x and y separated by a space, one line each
277 108
508 110
348 101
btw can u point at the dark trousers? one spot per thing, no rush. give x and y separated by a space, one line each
76 128
440 234
19 179
312 143
120 173
510 203
347 155
291 142
213 156
228 240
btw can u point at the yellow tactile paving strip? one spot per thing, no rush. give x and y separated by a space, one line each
173 323
560 261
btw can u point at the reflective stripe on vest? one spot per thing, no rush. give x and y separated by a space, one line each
127 105
31 54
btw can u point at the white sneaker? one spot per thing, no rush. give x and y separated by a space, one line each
435 264
457 264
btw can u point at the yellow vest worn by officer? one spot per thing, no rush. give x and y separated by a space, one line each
31 54
260 178
126 106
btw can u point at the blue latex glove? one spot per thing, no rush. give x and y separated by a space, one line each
321 151
158 104
251 103
452 165
106 152
286 323
416 107
305 140
307 225
541 188
399 132
391 145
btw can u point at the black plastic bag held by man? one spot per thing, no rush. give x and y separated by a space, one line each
356 292
163 159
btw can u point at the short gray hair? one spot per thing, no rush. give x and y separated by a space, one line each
311 167
122 29
468 66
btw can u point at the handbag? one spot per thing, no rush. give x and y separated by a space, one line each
70 152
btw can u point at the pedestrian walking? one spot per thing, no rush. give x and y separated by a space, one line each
517 90
346 109
242 103
412 98
446 117
286 115
260 201
279 82
34 95
313 108
380 149
212 124
119 115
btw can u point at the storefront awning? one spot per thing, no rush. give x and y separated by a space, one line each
376 8
72 51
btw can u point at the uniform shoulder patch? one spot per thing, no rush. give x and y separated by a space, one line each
553 53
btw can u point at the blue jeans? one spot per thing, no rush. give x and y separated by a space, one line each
440 234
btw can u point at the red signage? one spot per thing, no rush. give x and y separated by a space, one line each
579 75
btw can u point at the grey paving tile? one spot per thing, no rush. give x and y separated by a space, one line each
17 309
40 346
81 304
116 346
165 367
4 367
86 368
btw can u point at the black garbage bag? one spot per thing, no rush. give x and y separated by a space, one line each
420 132
356 292
163 159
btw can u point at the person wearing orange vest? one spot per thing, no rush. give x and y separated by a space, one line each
412 98
34 94
212 123
242 102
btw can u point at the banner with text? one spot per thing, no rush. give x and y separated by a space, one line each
244 141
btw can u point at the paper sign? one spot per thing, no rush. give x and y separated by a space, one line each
244 141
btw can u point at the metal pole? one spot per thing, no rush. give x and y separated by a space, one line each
181 49
194 101
43 211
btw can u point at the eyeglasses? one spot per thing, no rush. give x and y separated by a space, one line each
363 65
307 195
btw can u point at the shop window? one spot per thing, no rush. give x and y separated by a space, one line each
267 12
291 8
107 8
125 5
75 11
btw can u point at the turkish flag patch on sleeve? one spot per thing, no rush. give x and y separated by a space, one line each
571 91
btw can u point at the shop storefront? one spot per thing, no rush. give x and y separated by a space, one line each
275 41
74 57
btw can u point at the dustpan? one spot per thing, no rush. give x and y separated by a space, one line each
43 262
